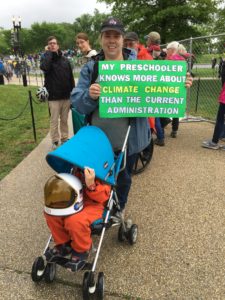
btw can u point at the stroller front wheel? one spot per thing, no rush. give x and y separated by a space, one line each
50 272
38 269
100 286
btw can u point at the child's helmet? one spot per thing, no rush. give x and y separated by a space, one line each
42 94
63 195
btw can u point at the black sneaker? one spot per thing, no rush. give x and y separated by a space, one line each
159 142
62 250
173 134
78 261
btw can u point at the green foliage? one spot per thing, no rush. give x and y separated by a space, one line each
204 98
4 45
34 40
16 136
90 25
174 20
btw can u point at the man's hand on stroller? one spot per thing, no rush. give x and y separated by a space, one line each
89 175
94 91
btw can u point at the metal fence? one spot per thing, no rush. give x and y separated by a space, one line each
206 54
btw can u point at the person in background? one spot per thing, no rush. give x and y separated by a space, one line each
131 41
82 42
59 83
219 126
173 54
153 45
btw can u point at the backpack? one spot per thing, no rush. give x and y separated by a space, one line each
2 69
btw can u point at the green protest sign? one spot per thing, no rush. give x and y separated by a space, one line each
142 88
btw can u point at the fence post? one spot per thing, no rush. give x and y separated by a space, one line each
32 116
198 87
189 90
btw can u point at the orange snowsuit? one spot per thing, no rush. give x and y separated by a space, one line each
76 227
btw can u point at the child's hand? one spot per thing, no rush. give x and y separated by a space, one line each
89 175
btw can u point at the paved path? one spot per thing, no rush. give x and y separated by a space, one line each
178 204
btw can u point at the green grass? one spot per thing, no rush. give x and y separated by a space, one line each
205 72
16 136
204 97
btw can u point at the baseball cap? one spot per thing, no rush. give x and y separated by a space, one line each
154 37
112 24
132 36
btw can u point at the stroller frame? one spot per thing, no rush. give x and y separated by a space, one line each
43 268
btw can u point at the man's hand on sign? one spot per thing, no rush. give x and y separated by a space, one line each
94 91
189 80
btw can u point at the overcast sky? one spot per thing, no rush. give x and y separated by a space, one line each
46 10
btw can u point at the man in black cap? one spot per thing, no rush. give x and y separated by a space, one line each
85 99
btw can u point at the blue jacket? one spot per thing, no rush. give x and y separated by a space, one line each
140 134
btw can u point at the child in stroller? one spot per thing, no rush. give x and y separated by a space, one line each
71 229
89 147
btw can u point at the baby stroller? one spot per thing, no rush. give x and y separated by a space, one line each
143 158
76 152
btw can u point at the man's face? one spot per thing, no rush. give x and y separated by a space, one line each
112 44
131 44
53 45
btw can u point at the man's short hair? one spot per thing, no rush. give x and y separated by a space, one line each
112 24
52 37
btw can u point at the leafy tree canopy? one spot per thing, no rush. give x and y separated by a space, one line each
173 19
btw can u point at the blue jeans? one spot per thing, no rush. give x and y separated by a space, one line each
219 127
159 129
124 181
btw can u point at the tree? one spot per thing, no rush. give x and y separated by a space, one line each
90 25
173 19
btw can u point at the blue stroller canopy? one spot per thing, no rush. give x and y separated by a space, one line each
90 147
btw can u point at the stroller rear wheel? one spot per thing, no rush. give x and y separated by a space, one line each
100 286
38 269
143 158
50 272
132 234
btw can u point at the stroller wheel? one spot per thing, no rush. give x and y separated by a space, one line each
38 269
85 286
132 234
50 272
143 158
121 234
100 286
